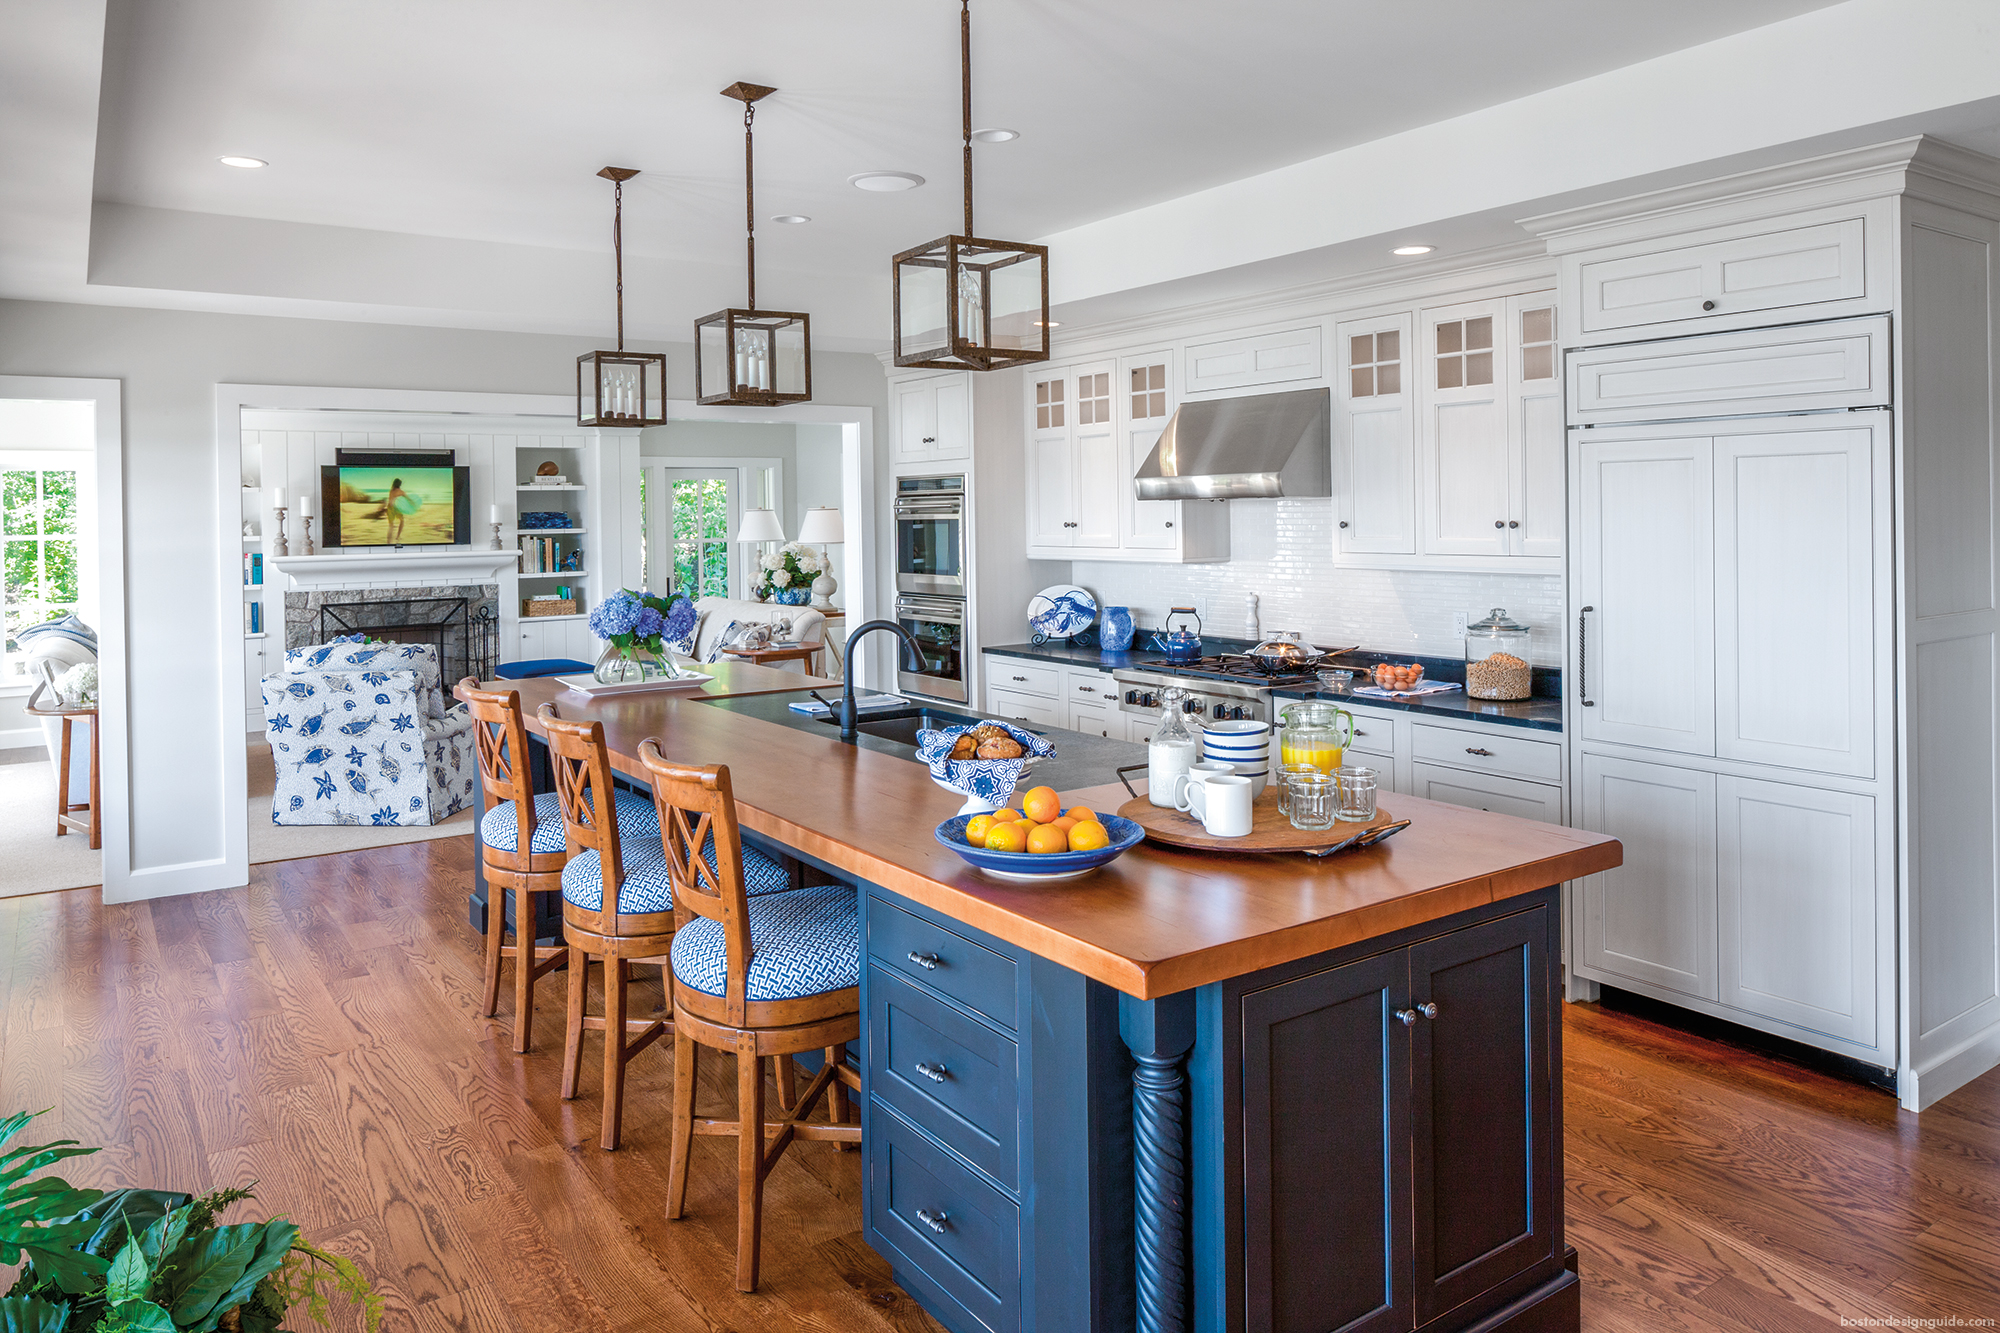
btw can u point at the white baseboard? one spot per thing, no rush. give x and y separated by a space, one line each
21 739
1923 1088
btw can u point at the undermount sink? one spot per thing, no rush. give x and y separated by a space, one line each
901 725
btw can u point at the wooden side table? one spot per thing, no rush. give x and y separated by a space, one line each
835 638
804 652
66 818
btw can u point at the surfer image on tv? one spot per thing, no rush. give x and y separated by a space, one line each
396 506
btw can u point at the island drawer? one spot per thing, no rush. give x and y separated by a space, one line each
942 1226
1019 677
948 963
1540 760
946 1073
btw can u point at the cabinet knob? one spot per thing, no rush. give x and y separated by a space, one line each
1406 1016
1708 305
935 1221
927 961
1513 523
1343 522
1170 523
935 1073
1473 749
1428 1009
1499 522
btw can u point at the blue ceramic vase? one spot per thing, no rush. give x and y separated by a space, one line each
793 596
1114 630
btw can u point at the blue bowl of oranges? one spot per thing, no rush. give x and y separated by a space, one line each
1012 844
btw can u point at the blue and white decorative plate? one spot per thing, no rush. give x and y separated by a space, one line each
1042 866
1059 612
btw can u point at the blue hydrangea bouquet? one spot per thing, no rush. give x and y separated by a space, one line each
639 629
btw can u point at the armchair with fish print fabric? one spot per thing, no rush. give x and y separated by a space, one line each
446 724
353 747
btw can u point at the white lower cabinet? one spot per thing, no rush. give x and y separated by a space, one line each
1485 791
1797 905
1023 707
1652 919
1094 719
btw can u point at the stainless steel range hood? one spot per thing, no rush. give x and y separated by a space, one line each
1252 448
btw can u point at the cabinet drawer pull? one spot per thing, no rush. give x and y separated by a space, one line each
1583 657
930 439
1406 1016
935 1073
1473 749
1086 689
935 1221
1021 678
927 961
1428 1009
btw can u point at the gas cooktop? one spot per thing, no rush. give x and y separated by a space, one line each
1235 668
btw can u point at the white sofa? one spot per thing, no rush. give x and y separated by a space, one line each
717 613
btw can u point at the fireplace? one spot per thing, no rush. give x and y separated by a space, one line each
459 621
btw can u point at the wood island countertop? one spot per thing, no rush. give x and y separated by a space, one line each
1153 922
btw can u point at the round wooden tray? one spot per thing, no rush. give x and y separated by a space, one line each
1269 830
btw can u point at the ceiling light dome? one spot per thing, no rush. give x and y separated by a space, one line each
791 219
995 135
885 182
247 163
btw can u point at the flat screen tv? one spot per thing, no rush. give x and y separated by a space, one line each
388 499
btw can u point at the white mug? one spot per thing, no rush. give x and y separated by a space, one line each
1221 803
1196 773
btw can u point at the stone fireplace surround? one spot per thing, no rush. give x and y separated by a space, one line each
467 645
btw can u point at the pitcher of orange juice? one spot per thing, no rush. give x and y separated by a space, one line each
1314 733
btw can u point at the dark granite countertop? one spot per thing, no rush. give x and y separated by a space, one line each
1541 712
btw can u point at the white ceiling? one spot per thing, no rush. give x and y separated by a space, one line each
413 122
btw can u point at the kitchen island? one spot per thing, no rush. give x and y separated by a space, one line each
1185 1091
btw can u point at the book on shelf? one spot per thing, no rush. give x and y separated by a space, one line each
253 569
545 555
253 617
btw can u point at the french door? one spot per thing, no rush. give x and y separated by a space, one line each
691 519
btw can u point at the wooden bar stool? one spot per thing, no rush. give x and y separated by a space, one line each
515 817
775 974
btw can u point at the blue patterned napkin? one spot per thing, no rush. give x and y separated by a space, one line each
991 780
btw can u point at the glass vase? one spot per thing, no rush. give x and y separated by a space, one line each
629 666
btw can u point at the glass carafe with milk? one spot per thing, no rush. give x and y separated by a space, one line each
1173 749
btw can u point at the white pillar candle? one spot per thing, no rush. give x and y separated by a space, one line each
496 514
306 505
277 497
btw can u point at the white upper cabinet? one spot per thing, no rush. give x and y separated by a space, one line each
1374 437
933 417
1841 363
1090 427
1773 269
1448 438
1244 360
1644 650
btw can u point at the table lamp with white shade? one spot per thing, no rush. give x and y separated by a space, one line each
822 528
760 526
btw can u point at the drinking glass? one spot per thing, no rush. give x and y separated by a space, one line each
1286 773
1356 794
1313 801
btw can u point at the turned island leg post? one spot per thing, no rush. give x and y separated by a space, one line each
1159 1034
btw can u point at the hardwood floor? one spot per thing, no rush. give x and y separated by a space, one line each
318 1032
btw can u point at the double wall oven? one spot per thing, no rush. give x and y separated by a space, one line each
930 583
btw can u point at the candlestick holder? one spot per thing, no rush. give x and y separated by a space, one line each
281 548
496 546
307 519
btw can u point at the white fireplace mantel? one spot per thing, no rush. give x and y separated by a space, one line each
410 568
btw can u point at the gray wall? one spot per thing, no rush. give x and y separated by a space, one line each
169 363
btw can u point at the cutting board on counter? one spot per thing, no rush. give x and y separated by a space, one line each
1270 831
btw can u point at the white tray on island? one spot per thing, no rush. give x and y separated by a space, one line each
594 687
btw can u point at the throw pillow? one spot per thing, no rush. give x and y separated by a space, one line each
743 636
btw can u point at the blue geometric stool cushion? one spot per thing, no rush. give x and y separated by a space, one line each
806 942
500 827
541 666
648 887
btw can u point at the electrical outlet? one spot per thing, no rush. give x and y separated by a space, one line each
1458 623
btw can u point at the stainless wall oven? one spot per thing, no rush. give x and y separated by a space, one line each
930 535
938 626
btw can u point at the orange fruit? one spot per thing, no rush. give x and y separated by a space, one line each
1008 837
1089 836
975 829
1047 838
1042 805
1081 813
1006 816
1066 823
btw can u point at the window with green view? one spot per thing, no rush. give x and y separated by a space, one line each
701 536
38 527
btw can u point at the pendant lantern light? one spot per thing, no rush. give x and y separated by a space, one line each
621 388
965 303
751 357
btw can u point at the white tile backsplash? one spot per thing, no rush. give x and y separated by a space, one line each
1282 550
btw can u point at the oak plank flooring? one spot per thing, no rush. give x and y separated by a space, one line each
318 1032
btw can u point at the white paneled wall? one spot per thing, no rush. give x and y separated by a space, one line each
1282 550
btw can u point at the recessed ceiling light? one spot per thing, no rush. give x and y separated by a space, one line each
883 182
791 218
1413 249
247 163
995 135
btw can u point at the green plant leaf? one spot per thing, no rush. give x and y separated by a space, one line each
75 1272
137 1317
124 1213
26 1314
129 1276
209 1273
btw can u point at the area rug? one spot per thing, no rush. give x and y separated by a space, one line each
32 858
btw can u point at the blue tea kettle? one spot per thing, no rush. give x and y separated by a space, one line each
1179 644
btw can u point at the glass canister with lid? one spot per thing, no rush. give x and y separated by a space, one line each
1497 665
